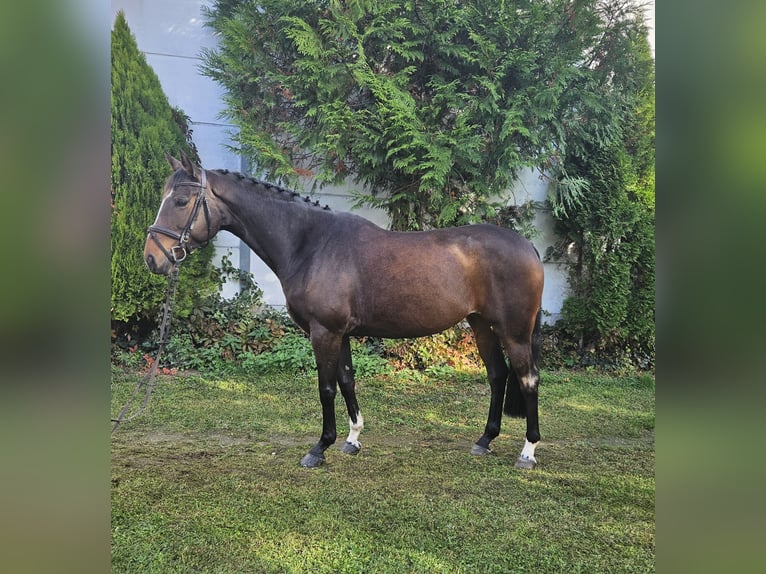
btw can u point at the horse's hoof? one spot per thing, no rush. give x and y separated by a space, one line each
350 447
312 461
525 463
478 450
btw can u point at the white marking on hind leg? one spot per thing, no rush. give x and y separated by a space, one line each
528 452
356 429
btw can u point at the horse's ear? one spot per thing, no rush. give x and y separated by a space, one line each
174 163
188 165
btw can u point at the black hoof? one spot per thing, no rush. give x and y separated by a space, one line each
525 463
312 461
350 448
478 450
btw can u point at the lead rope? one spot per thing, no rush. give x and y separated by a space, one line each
149 378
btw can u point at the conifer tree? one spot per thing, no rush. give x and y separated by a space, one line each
435 106
144 126
609 230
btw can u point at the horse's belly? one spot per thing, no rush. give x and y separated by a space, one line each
400 331
412 316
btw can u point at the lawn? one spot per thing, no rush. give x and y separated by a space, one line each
207 480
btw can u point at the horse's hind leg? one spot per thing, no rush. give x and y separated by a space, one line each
497 372
347 389
521 400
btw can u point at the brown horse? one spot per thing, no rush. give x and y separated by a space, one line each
344 276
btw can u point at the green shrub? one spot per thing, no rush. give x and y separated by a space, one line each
292 352
454 348
367 358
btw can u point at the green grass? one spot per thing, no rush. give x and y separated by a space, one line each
207 480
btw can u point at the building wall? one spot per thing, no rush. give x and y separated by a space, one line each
171 33
531 187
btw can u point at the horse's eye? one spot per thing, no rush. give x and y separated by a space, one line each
182 200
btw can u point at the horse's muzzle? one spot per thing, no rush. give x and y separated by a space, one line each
155 267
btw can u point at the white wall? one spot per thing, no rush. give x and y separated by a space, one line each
171 35
530 187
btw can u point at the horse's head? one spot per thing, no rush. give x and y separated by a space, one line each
184 221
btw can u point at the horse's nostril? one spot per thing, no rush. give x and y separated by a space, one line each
150 263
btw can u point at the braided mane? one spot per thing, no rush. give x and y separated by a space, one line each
287 194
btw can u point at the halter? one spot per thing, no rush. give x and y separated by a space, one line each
184 237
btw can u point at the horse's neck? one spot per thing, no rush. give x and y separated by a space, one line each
272 226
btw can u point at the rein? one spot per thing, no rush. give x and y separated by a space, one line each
183 239
149 378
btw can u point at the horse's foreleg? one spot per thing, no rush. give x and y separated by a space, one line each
347 389
326 347
492 355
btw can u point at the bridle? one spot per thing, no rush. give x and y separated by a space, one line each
183 239
178 253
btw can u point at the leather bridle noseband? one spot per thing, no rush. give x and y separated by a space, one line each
184 237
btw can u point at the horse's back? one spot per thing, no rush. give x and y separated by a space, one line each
480 252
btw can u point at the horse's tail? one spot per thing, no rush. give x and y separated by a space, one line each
537 339
515 405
